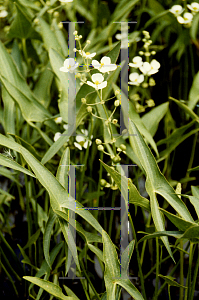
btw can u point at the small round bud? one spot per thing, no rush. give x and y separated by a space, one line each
74 50
75 32
117 92
103 182
145 85
151 82
50 11
150 103
80 36
56 14
89 109
125 131
78 75
60 25
141 52
98 141
114 121
117 103
153 52
48 3
36 21
116 159
88 42
84 101
123 147
147 53
100 148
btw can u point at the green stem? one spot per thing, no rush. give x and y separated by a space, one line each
194 277
111 215
157 270
85 273
169 291
181 271
188 281
138 258
191 157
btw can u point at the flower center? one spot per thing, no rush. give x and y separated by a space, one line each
96 82
87 53
69 66
102 64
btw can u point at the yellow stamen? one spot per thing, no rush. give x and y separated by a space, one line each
87 53
96 82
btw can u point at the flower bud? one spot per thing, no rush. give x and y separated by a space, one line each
88 42
74 50
89 109
141 52
60 25
117 103
98 141
114 121
123 147
117 92
36 21
100 148
56 14
116 159
153 52
75 32
103 182
84 102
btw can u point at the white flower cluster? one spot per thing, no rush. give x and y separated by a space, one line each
187 17
147 68
3 12
104 66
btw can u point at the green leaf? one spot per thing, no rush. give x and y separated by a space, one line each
21 26
195 202
194 27
194 91
97 251
47 235
170 281
48 286
152 119
70 292
156 183
176 234
32 239
181 224
134 196
126 256
133 115
9 163
130 288
195 191
57 62
192 234
48 36
187 109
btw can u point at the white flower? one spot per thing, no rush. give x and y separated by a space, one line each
194 6
135 78
124 39
57 136
66 1
137 62
65 126
3 14
58 120
83 141
150 68
98 80
69 65
87 54
176 10
104 65
186 19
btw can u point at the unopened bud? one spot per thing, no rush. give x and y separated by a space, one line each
100 148
60 25
103 182
98 141
89 109
117 92
117 103
56 14
84 102
88 42
75 32
116 159
123 147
